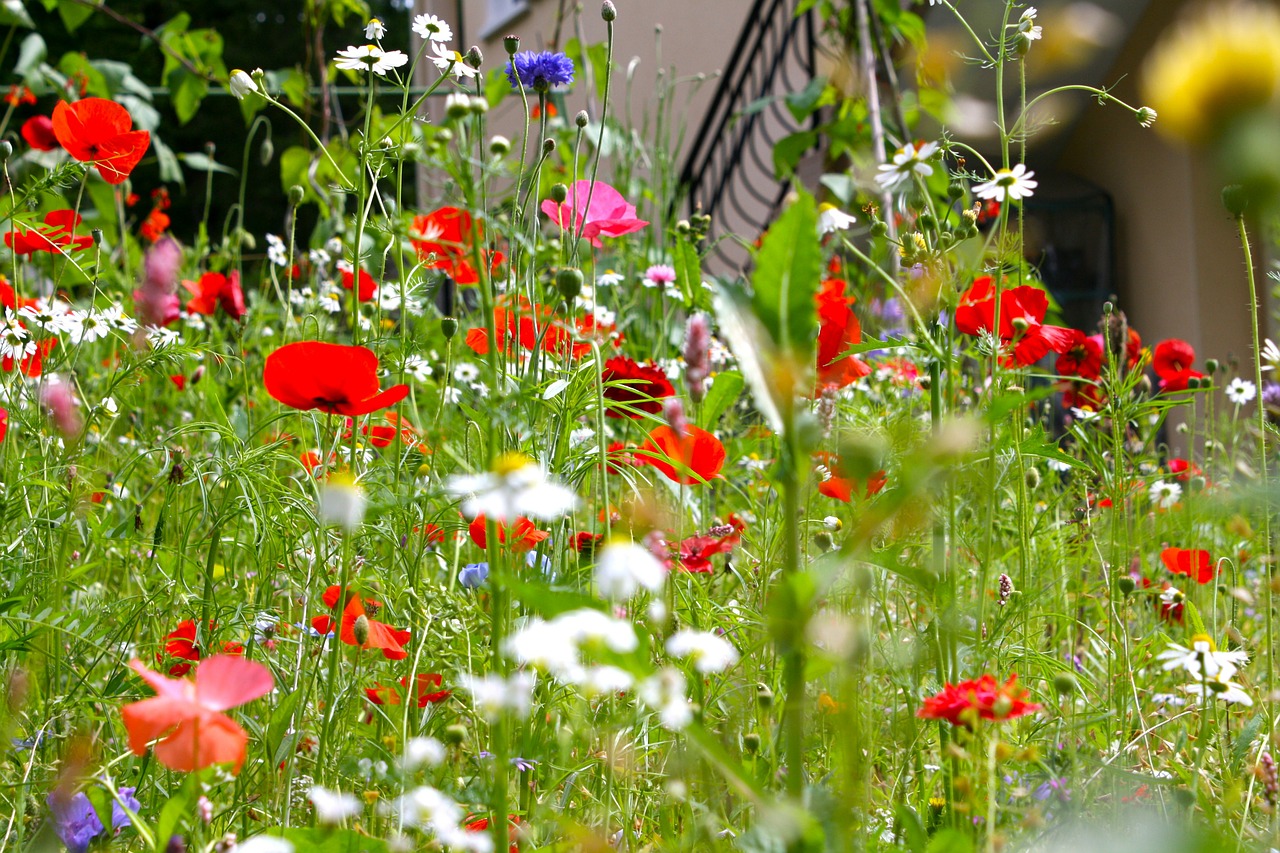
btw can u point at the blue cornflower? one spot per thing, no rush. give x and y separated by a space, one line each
473 575
76 823
539 71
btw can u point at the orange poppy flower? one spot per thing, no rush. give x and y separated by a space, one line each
381 694
699 453
338 379
99 131
187 717
443 238
522 535
1192 563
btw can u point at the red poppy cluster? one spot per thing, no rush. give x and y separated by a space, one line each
838 484
632 389
521 325
838 329
334 378
966 703
426 690
100 132
215 290
443 239
378 635
521 535
695 552
57 235
1022 328
1172 360
181 644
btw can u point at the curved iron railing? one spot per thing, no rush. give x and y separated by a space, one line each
729 172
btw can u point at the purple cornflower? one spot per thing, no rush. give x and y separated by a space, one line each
539 71
473 575
76 823
1271 395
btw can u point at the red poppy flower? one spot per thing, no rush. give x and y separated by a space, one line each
1183 470
586 543
4 423
56 236
1022 311
38 132
633 389
181 643
368 287
98 131
443 240
1172 360
844 488
31 365
154 226
378 635
213 290
1082 358
516 323
699 453
696 551
965 703
338 379
482 825
838 330
522 535
187 716
19 95
424 682
1192 563
1169 611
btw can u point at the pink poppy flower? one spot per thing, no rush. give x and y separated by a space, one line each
608 213
187 715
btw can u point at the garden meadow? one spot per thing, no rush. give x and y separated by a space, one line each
513 522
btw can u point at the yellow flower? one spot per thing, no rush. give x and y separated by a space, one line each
1213 68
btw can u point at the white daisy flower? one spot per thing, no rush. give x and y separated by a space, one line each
161 337
432 28
370 57
907 161
1008 185
450 60
1241 391
465 371
709 652
333 807
418 367
375 30
1203 656
1221 687
517 486
1165 494
666 693
609 278
276 252
831 218
492 694
624 567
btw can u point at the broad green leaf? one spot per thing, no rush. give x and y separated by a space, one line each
77 66
789 150
170 171
30 54
788 269
724 392
14 14
802 104
204 163
186 91
73 14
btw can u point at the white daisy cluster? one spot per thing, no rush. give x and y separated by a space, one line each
493 695
1212 671
432 811
517 486
556 647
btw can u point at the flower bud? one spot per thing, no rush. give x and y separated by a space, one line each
296 194
1211 365
559 192
1065 683
879 229
581 119
455 735
608 11
6 149
474 57
1126 584
97 236
569 282
457 105
511 44
548 145
360 630
764 696
1235 199
499 146
266 151
751 743
1032 477
449 326
928 222
823 541
241 84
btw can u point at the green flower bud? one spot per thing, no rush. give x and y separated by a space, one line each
581 118
764 696
511 44
569 282
1126 585
296 194
455 735
1235 198
1065 683
1211 365
751 743
449 326
559 192
499 146
474 57
360 630
608 11
548 145
879 229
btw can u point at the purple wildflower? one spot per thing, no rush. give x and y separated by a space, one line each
76 823
539 71
1271 395
473 575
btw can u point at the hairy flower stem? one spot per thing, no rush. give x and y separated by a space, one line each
604 113
366 190
1262 451
790 636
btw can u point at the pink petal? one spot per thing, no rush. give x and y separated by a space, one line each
177 689
559 214
225 681
151 718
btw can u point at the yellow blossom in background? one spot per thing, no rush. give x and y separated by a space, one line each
1213 68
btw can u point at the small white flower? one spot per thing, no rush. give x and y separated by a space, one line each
420 751
241 84
160 337
1008 185
319 258
1027 26
1221 687
709 652
369 57
517 486
609 278
601 680
115 317
466 372
110 405
452 394
276 252
333 807
1241 391
624 567
1084 416
418 367
907 161
1165 494
581 436
450 60
432 28
1201 657
375 30
666 694
264 844
493 694
342 502
831 218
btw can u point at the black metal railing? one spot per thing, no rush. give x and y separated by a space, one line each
729 171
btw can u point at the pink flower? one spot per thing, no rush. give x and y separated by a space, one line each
60 404
188 715
608 212
660 274
156 300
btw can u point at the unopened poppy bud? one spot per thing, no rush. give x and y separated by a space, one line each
548 145
474 57
581 118
1126 584
1193 383
608 11
1065 683
764 696
360 630
558 193
499 146
455 735
751 743
266 151
97 236
296 194
823 541
449 327
6 149
1211 365
569 282
1033 478
511 44
1235 199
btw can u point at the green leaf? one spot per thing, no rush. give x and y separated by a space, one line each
30 54
77 65
788 268
789 150
802 104
873 344
14 14
203 163
101 802
73 14
186 91
170 171
724 392
950 841
323 840
689 272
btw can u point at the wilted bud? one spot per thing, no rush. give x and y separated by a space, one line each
449 327
511 44
569 282
608 11
474 57
581 119
241 84
499 146
558 193
360 630
296 194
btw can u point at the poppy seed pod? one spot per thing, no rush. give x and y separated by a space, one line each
361 629
511 44
449 327
1065 683
569 282
559 192
97 236
1125 584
